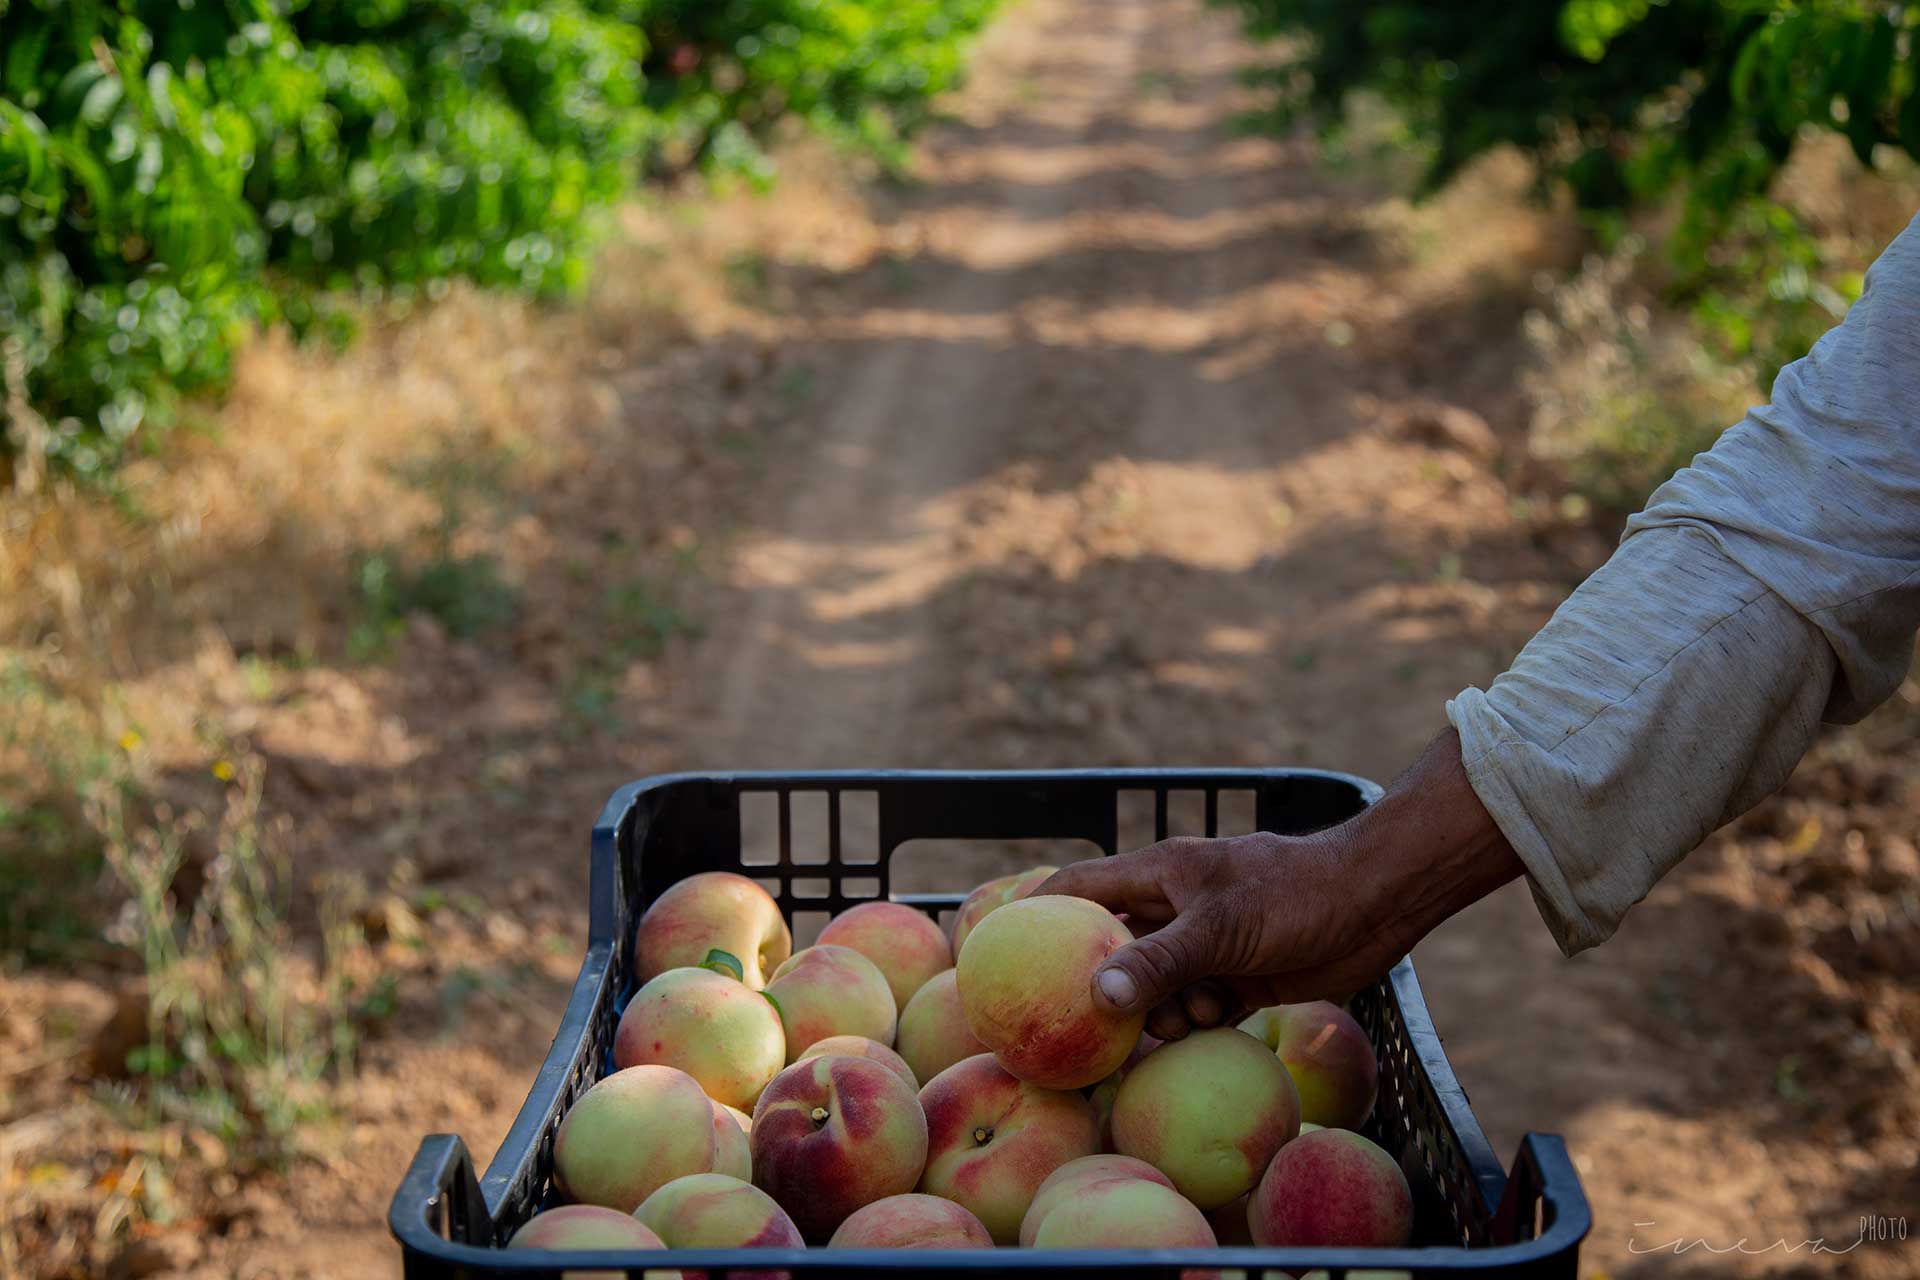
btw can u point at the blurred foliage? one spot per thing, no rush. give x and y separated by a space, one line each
1634 102
173 173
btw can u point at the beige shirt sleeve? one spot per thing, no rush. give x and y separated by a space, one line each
1773 583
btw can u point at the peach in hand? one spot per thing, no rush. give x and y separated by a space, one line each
713 910
631 1133
992 895
1329 1057
1025 979
933 1033
1335 1189
911 1221
832 1134
861 1047
716 1029
1208 1111
993 1138
1067 1181
904 944
713 1211
830 991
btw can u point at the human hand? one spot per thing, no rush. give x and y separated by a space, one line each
1240 923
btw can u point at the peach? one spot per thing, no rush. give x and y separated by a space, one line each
1103 1094
1124 1213
993 1138
833 1134
933 1033
1066 1181
1329 1057
732 1149
712 911
713 1211
904 944
720 1031
584 1226
995 893
1025 980
1332 1188
632 1132
830 991
911 1221
861 1047
1208 1111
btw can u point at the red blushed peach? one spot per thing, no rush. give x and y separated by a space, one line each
721 1032
830 991
713 1211
832 1134
632 1132
732 1149
911 1222
1335 1189
1329 1057
1124 1213
584 1226
933 1032
903 944
1025 978
1208 1111
992 895
992 1139
861 1047
1103 1094
1066 1181
712 911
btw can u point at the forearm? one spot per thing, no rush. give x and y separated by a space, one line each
1427 849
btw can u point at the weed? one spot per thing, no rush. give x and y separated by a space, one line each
51 751
240 1036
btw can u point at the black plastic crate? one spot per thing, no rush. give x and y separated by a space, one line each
1470 1216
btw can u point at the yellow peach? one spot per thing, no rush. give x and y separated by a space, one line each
631 1133
861 1047
904 944
720 1031
1208 1111
1025 978
830 991
995 893
933 1033
992 1139
712 911
911 1221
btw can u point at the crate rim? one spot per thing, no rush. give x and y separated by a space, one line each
1568 1216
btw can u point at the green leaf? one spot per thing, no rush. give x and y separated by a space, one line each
725 962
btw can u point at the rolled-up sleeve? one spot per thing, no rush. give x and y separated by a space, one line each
1773 583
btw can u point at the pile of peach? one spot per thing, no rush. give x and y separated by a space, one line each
767 1099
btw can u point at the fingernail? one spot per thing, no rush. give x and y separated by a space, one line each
1117 986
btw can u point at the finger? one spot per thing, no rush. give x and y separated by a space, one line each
1129 882
1149 969
1168 1021
1206 1004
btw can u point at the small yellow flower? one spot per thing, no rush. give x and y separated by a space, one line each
223 770
129 740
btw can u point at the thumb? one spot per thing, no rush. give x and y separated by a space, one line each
1147 970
